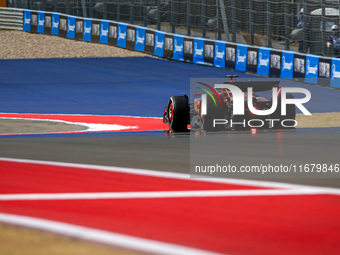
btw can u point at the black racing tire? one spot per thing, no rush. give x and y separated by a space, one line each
290 114
213 112
178 113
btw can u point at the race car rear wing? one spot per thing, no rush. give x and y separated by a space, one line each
256 85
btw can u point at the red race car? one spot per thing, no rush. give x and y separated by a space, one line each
215 111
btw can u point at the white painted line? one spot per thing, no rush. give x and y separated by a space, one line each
89 126
129 242
164 194
163 174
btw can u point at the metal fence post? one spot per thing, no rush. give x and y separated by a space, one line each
204 32
173 29
105 11
188 17
131 12
219 26
225 21
67 6
91 9
305 27
233 19
55 5
117 11
159 15
251 21
286 25
323 27
145 13
269 24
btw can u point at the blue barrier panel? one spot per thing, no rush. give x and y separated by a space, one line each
241 57
335 73
198 57
178 47
263 61
87 31
104 31
140 38
287 66
219 58
71 27
159 43
312 69
41 22
121 37
27 20
55 23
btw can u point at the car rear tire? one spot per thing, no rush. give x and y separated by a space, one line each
178 113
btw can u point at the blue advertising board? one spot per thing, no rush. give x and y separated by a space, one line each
198 57
159 43
121 36
178 47
312 69
219 56
71 27
140 39
41 22
55 23
287 65
27 20
263 61
87 31
335 73
104 31
241 57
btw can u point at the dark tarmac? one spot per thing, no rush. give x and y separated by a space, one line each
171 152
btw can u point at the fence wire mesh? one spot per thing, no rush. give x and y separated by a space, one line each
266 23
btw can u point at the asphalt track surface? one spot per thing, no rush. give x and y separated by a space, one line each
141 87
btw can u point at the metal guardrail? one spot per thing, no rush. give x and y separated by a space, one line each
11 18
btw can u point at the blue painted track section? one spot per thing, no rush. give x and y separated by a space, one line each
115 86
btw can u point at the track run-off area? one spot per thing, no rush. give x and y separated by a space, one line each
169 213
120 180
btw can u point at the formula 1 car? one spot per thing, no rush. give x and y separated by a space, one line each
214 111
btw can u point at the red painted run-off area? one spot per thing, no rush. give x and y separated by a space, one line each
141 123
298 224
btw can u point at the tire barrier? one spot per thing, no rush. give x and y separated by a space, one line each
319 70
